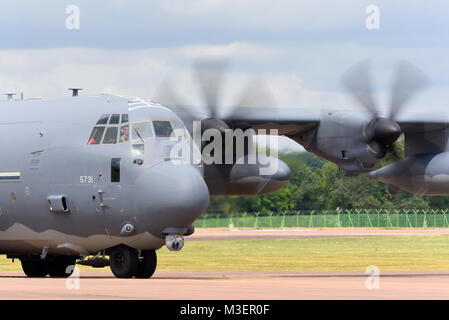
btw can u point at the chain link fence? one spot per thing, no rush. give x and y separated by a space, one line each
351 218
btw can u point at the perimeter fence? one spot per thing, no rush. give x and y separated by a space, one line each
351 218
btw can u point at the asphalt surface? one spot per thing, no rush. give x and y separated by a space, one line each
290 233
208 285
230 285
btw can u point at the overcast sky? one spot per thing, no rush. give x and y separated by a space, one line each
300 48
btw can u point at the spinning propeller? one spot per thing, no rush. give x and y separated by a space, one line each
210 74
382 131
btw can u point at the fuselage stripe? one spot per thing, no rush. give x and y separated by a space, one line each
8 176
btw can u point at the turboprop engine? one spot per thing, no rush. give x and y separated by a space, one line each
425 174
230 165
252 175
357 142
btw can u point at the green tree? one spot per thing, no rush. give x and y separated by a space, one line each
316 184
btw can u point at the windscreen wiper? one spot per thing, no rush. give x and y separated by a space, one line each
135 130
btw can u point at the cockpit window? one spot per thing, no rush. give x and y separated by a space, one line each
124 134
109 126
110 136
115 119
104 119
142 130
95 136
162 128
138 149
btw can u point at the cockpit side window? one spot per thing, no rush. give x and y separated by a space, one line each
108 127
103 119
179 129
110 137
162 128
95 136
115 119
142 130
138 149
124 133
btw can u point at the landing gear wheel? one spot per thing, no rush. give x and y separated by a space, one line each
147 266
34 268
124 261
59 267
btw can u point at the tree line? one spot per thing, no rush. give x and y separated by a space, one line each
317 184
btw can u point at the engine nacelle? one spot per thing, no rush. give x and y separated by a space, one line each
356 142
425 174
252 177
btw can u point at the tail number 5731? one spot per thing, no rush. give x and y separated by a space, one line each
86 179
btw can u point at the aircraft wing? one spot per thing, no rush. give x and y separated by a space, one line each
288 121
424 132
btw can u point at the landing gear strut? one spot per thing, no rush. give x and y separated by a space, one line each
125 263
147 265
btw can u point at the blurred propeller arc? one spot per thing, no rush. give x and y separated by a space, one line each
210 75
382 131
242 175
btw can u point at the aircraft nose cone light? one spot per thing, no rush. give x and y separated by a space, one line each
385 131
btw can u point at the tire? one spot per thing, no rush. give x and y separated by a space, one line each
34 268
124 261
148 265
58 267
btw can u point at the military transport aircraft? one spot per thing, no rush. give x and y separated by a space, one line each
87 176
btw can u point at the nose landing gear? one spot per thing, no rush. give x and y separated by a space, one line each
125 262
147 264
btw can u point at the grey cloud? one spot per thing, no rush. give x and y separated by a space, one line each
138 24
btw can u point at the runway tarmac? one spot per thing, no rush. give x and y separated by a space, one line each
291 233
208 285
171 285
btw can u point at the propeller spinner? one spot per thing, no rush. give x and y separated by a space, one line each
382 131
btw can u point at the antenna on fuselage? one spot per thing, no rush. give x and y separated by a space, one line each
75 91
10 96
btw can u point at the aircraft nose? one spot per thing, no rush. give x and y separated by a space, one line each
179 196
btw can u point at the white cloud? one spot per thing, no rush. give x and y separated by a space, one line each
49 72
295 75
268 14
233 50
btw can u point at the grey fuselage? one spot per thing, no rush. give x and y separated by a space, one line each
46 157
